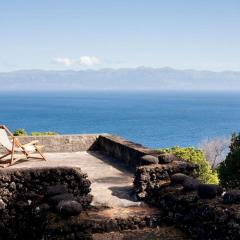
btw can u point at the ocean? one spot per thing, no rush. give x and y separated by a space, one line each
154 119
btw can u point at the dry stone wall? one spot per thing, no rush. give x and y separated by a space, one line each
126 151
31 198
62 143
203 210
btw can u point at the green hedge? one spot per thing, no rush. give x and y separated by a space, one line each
43 133
194 155
22 132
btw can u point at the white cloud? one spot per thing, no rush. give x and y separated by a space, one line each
64 61
83 61
89 60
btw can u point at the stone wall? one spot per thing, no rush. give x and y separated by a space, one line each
30 199
123 150
202 218
197 208
149 179
126 151
62 143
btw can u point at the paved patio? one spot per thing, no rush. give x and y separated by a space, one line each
111 181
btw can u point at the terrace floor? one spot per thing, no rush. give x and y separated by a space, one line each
111 181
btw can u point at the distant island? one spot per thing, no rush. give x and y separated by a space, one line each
141 78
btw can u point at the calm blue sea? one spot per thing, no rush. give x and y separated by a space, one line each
154 119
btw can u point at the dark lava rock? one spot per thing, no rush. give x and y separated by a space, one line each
56 190
232 196
190 184
208 190
178 178
54 200
167 158
33 196
43 207
69 208
149 159
2 204
12 186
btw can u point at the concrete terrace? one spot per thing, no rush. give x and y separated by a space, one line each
109 161
111 181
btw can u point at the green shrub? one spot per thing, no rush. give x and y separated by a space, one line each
20 132
43 133
229 169
193 155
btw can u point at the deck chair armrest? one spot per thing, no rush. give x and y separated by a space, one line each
31 143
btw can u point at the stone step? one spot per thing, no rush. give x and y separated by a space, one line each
118 219
142 222
161 233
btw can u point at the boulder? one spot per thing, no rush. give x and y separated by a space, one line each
232 196
56 189
167 158
54 200
178 178
12 186
69 208
208 190
148 159
190 184
44 207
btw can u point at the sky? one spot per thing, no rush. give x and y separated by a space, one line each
95 34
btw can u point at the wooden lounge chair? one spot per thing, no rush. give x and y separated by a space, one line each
14 146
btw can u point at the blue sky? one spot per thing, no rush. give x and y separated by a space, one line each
76 34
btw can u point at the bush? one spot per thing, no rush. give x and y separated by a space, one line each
20 132
229 169
193 155
43 133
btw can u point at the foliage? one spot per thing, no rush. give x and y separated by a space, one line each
193 155
20 132
229 170
215 150
43 133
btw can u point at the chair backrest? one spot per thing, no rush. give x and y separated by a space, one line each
4 140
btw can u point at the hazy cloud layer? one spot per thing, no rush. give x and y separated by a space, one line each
82 61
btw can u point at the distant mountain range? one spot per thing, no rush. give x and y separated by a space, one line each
141 78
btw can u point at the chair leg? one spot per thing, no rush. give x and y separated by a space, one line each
3 165
12 156
37 150
15 160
